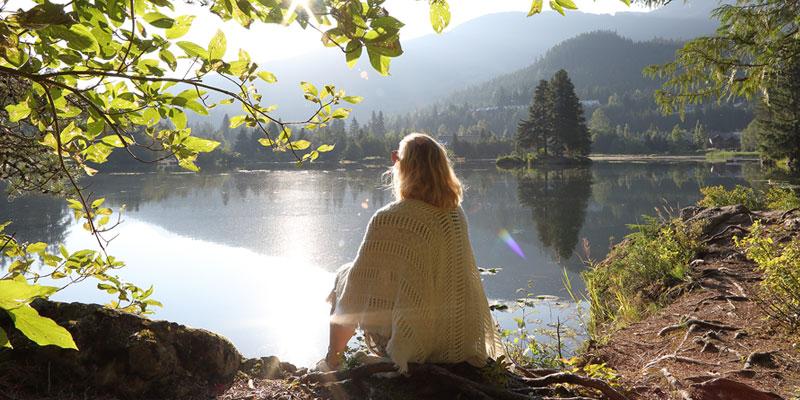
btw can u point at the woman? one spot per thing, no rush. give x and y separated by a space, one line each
414 288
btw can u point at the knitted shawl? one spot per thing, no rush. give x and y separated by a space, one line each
415 290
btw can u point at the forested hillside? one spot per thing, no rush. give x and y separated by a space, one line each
607 72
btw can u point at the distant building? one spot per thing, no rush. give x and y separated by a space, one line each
590 103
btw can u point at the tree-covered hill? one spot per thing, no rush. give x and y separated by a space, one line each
606 69
599 63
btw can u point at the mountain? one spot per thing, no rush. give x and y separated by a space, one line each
599 64
606 70
435 65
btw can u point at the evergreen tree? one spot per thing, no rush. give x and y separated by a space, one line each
536 132
779 120
377 124
569 125
699 136
355 128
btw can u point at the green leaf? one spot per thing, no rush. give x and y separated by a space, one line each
266 142
41 330
169 58
557 7
299 145
178 118
378 61
440 15
188 164
309 88
237 120
180 27
113 140
18 292
17 112
568 4
353 52
536 7
387 22
98 152
268 77
200 145
78 37
325 148
36 247
340 113
69 133
193 49
353 99
217 46
158 20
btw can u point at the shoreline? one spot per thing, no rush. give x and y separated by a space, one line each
483 163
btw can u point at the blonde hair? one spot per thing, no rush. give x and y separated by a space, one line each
423 172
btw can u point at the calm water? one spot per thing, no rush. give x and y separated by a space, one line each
251 254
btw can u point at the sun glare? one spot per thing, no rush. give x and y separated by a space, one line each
301 4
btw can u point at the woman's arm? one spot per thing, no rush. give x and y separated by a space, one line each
339 336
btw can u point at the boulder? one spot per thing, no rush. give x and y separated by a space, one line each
122 355
727 389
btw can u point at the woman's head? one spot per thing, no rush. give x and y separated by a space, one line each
422 171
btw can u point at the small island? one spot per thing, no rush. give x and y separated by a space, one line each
555 131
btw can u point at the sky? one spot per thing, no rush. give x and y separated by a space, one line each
269 42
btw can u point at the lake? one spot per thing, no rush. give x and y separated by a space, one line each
251 254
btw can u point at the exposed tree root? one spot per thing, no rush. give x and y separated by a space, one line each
697 323
725 231
786 213
565 377
337 380
675 384
676 357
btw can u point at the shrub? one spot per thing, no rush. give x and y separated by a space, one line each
780 264
510 161
718 196
776 198
633 280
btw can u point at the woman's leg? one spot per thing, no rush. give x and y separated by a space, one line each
339 336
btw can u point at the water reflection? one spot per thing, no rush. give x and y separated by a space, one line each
250 254
558 200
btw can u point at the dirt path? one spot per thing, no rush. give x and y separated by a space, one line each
714 341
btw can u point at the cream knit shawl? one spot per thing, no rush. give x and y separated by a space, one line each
414 288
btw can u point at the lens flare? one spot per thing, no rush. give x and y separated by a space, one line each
505 236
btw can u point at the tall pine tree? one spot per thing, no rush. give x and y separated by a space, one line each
779 119
536 132
569 125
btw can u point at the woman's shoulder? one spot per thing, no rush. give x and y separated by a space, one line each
414 208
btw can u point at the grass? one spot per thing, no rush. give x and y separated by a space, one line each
633 281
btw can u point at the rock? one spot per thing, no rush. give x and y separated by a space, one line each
740 335
727 389
689 212
124 355
760 359
267 368
792 224
717 218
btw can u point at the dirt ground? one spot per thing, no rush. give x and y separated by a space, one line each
717 329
